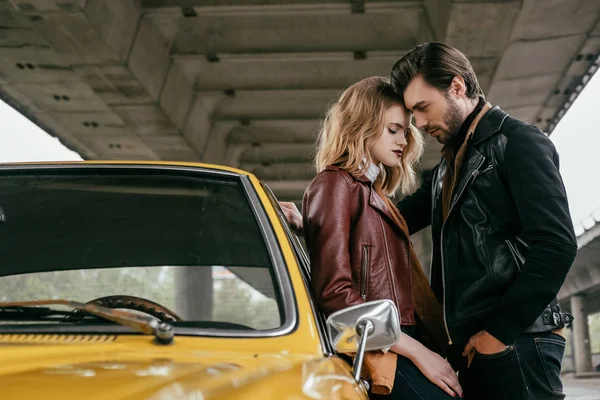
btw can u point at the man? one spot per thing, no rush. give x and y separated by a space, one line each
503 240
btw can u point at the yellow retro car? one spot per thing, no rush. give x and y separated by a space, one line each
131 280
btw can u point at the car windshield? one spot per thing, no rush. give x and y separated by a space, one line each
189 242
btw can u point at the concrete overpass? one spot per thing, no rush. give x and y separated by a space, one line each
243 82
581 291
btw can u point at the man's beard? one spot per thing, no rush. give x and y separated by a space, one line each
453 120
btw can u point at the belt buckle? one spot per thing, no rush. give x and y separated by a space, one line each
567 318
556 318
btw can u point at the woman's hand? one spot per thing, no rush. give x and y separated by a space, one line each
293 216
437 370
432 365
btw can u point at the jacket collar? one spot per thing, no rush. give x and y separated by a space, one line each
361 178
489 124
371 172
375 200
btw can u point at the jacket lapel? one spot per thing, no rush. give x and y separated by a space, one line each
470 170
380 205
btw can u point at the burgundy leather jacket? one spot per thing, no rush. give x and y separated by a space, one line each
357 251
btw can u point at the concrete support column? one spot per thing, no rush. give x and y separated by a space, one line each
581 335
194 293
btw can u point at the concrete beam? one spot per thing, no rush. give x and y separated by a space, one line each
233 154
119 147
538 58
244 4
113 84
425 33
66 96
199 122
25 63
46 6
596 30
336 71
467 19
216 147
278 153
523 92
178 92
280 171
171 148
146 120
150 58
85 124
549 45
74 39
239 30
306 71
459 24
116 21
282 131
273 105
546 19
580 65
438 13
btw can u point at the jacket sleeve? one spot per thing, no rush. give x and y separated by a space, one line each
531 169
327 206
416 208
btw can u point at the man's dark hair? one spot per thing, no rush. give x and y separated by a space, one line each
438 64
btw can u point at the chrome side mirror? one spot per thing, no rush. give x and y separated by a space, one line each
364 327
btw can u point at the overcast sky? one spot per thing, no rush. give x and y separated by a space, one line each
576 138
578 143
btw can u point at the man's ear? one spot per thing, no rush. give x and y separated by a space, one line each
458 87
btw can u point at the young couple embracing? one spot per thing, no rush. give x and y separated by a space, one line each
486 324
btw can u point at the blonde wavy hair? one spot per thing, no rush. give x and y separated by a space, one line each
354 123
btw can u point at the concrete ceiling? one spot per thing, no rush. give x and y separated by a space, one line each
244 82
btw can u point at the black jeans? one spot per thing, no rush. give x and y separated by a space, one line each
529 369
410 383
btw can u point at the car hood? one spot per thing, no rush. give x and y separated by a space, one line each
117 371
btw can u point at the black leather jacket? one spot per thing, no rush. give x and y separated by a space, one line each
508 242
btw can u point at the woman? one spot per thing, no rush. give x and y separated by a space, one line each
357 240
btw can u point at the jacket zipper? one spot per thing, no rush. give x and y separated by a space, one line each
363 272
473 175
387 253
489 167
513 253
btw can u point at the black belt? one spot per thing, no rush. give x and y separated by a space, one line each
552 318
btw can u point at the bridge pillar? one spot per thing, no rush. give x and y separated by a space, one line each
581 335
194 293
